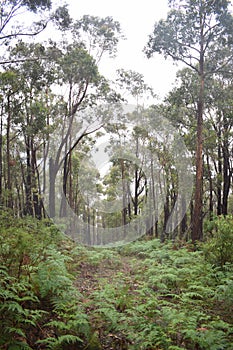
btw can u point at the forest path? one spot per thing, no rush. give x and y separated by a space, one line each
132 294
107 282
93 277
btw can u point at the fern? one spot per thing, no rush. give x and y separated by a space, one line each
18 345
58 343
15 313
164 298
52 276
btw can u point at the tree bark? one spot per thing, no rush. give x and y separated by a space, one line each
226 177
28 181
9 184
52 178
219 176
197 229
124 192
211 204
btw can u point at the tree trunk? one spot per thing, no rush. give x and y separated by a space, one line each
124 192
183 224
52 178
8 157
154 198
63 207
219 176
136 184
166 215
36 193
197 230
226 177
211 204
28 181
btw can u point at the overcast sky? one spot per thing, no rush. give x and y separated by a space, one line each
137 19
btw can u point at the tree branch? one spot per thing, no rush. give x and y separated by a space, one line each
24 34
23 60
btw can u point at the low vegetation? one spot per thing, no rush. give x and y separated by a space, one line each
141 296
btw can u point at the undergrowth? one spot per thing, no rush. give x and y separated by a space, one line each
40 307
141 296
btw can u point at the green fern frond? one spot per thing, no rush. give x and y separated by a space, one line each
55 343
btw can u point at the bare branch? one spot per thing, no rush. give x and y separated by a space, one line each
24 34
23 60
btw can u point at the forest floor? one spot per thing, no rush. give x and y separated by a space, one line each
92 279
149 296
145 295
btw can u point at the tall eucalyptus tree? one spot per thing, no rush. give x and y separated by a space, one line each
196 33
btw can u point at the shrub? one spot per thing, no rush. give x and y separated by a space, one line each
39 304
219 247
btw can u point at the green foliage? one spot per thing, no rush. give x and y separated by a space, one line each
58 342
77 66
36 289
144 295
62 17
52 276
179 35
102 34
35 5
219 248
18 309
168 301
